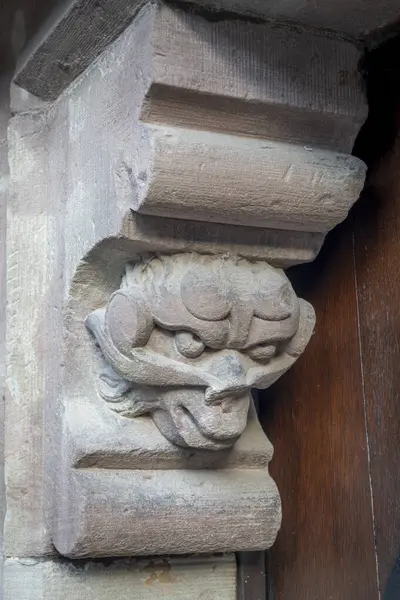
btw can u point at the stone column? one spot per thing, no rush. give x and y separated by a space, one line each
166 167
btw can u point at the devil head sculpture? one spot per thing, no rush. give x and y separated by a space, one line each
187 336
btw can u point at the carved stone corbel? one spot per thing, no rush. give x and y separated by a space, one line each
186 338
158 197
173 345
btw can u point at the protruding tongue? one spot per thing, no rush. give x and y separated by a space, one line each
182 431
216 426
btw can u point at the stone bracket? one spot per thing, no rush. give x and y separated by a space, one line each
161 181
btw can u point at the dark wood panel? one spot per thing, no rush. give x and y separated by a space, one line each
251 576
314 416
377 244
377 251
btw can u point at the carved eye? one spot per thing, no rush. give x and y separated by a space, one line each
188 344
128 319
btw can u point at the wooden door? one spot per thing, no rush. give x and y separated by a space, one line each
334 419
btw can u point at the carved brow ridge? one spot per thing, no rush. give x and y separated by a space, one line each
144 365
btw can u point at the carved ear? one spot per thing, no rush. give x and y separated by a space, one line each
128 320
299 341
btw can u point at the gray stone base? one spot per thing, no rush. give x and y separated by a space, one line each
170 579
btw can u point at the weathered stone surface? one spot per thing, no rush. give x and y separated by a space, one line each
133 164
269 184
171 579
4 183
95 439
118 486
123 489
278 247
103 512
267 79
78 168
229 75
78 32
34 326
187 336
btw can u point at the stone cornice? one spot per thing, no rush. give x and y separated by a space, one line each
264 112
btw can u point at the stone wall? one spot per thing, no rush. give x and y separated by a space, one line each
18 23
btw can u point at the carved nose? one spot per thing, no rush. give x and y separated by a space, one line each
228 369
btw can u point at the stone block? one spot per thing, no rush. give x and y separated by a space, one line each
269 184
245 77
152 579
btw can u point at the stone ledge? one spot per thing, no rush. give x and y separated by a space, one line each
263 78
116 512
152 579
239 180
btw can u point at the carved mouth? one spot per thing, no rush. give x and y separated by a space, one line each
193 435
204 427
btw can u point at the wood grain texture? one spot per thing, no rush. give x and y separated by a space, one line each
251 576
377 246
377 262
314 417
334 418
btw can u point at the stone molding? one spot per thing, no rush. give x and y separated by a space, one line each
170 578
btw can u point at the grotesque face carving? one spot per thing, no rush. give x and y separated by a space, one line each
187 336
